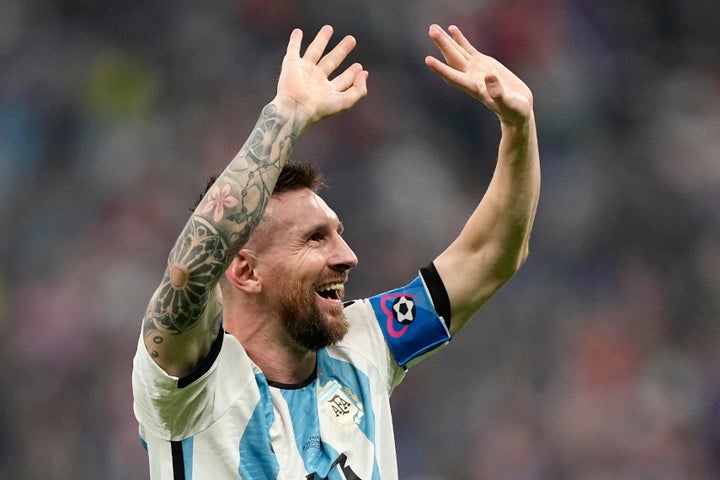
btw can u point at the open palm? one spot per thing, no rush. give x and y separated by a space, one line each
480 75
306 79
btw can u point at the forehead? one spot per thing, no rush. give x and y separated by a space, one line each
299 210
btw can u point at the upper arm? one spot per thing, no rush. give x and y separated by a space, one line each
472 276
177 350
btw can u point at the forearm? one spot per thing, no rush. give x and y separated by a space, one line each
494 241
235 203
500 226
514 191
220 225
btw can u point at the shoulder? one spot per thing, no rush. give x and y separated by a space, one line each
219 381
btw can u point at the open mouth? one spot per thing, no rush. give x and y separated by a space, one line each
332 291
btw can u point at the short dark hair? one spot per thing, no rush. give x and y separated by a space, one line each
296 176
293 176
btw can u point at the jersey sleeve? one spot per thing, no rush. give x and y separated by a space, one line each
410 322
175 408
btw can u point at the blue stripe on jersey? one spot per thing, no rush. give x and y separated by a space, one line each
356 384
187 450
257 458
182 458
302 403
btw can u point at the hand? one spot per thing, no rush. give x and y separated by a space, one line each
480 76
305 80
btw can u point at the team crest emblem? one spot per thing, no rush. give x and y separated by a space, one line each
340 404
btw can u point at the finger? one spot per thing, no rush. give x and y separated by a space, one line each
444 71
460 39
337 55
349 97
358 89
347 78
451 51
316 48
458 79
295 41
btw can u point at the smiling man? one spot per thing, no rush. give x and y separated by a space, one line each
250 364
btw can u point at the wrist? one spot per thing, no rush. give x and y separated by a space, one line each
519 125
519 135
289 109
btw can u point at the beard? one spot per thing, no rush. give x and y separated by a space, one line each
306 324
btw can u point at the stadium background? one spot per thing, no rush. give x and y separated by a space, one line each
599 360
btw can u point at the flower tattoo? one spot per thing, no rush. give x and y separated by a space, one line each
220 198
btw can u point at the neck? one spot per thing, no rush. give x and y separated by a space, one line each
282 365
268 346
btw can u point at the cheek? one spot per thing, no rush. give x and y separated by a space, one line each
281 281
307 266
302 267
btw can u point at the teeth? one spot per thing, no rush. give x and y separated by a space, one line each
332 286
331 291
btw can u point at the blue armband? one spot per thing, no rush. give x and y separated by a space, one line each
409 321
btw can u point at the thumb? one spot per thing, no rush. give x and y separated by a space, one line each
494 88
506 105
503 103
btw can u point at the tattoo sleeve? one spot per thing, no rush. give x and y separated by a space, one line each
221 224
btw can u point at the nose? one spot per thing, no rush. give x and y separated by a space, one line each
343 258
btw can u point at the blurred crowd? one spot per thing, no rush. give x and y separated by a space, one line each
600 360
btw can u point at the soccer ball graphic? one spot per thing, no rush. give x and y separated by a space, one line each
404 309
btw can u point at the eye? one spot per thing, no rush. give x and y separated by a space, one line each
316 237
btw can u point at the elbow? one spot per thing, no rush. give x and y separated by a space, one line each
523 252
523 256
511 263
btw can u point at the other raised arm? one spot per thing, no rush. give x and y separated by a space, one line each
494 241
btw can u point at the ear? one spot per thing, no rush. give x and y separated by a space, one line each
242 274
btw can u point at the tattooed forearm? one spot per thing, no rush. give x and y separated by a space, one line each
240 195
220 225
271 140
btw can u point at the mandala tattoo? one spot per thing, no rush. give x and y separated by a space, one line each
196 262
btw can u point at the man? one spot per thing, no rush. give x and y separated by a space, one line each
250 365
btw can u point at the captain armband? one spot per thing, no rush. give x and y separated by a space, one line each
409 318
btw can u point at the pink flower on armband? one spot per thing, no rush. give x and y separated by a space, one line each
220 198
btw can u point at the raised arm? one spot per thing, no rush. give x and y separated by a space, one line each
494 241
181 320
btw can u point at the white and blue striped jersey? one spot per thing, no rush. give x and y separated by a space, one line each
227 421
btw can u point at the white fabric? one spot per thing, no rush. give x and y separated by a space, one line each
230 423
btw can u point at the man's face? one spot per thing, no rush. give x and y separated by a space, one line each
304 264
